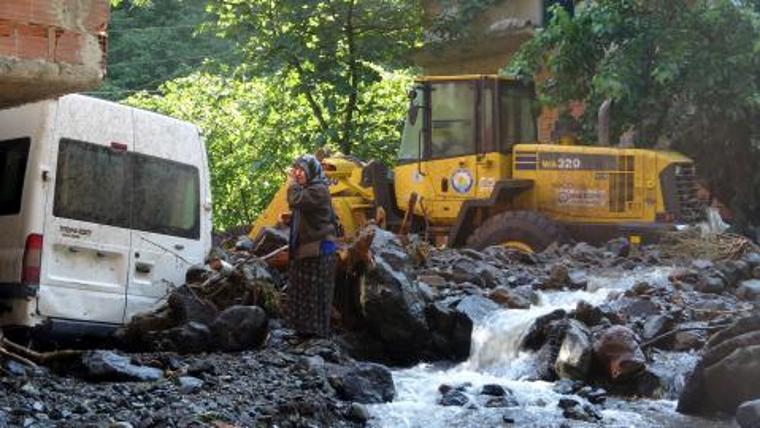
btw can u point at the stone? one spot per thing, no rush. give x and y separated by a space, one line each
584 252
477 307
656 325
191 338
504 401
702 264
713 282
749 290
593 395
618 247
727 372
494 389
566 403
535 336
587 313
432 280
748 414
454 398
107 366
753 259
574 357
687 341
366 383
567 386
733 271
514 298
617 353
239 328
451 332
358 413
756 272
189 384
559 278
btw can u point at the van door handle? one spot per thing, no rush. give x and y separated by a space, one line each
142 267
179 247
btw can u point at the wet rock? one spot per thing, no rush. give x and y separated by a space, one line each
535 337
192 337
726 374
107 366
587 313
240 327
618 247
503 401
617 352
189 384
585 253
358 413
572 409
186 307
476 307
559 278
734 271
641 288
365 383
635 307
656 325
574 357
454 397
514 298
749 290
756 272
593 395
567 386
748 414
494 389
451 331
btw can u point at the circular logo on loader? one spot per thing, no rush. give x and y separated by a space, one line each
461 180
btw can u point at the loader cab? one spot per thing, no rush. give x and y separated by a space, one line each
459 116
458 139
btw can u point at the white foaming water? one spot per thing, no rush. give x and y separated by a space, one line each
495 359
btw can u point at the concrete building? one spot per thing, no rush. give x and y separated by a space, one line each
492 39
51 47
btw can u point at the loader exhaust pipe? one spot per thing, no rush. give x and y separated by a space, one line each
603 126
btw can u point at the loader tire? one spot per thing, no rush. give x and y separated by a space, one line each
526 230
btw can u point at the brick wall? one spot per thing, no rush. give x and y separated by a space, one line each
60 31
50 48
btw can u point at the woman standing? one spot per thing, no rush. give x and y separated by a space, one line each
312 249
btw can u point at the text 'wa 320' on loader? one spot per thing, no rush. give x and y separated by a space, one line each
466 179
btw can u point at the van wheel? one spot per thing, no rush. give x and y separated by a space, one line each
526 231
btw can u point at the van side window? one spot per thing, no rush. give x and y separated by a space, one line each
13 159
92 184
166 197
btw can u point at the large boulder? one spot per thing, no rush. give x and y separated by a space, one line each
574 356
617 353
399 315
238 328
728 373
366 383
514 298
748 414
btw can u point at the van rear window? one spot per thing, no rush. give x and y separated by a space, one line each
13 159
97 184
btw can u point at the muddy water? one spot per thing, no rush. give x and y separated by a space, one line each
495 358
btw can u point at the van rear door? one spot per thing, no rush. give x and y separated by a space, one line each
87 228
167 226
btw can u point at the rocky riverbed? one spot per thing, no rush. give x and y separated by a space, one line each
574 336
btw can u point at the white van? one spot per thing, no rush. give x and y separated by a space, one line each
103 207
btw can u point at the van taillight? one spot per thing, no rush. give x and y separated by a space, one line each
30 274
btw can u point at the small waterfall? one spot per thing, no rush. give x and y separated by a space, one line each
495 358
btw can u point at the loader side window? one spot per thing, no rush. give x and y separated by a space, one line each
412 138
453 119
517 122
92 184
166 197
13 159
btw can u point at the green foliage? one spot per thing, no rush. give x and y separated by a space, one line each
153 41
680 73
324 49
254 128
456 18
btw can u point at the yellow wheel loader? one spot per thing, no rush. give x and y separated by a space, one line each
465 177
